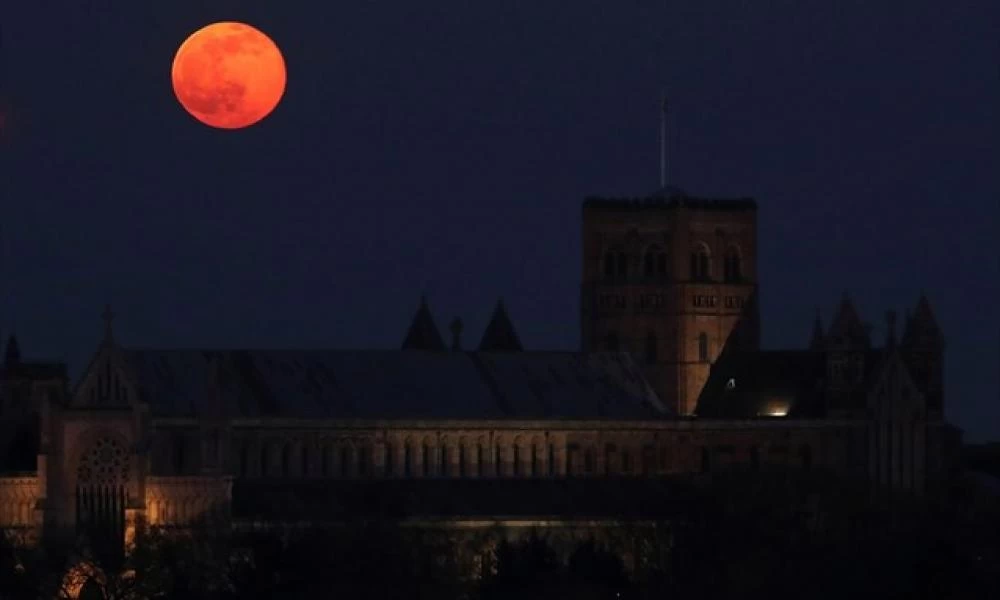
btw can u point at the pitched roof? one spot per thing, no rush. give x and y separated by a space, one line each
423 333
747 384
500 335
393 384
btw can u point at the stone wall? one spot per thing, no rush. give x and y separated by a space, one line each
18 499
183 501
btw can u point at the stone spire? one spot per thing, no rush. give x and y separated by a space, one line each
847 330
423 333
921 329
500 335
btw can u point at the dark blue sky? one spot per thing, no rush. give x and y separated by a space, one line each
445 147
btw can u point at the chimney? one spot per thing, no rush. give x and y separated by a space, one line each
890 329
456 334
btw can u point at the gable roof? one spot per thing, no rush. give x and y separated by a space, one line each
500 335
392 384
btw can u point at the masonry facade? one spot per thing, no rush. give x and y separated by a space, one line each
670 382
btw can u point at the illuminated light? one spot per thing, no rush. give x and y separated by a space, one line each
228 75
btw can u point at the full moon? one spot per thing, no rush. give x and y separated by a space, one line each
228 75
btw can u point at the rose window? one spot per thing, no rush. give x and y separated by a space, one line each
105 463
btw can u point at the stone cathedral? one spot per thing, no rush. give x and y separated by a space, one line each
670 381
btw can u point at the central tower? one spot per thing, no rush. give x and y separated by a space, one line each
666 278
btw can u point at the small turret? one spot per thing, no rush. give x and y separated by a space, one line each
922 347
423 333
500 335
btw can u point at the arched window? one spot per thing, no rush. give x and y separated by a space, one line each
408 459
651 350
444 461
461 460
588 461
552 460
700 263
611 342
245 459
609 459
480 460
732 266
622 265
286 460
345 461
648 458
703 347
364 460
534 461
426 459
654 263
498 466
609 265
389 459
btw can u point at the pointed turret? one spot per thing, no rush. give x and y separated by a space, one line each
921 329
847 330
922 347
12 354
500 335
818 340
423 333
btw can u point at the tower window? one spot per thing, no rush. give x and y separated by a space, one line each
651 350
622 264
700 264
654 263
732 267
609 265
703 347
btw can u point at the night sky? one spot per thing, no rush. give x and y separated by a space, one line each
445 147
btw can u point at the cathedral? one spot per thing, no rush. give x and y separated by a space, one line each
670 381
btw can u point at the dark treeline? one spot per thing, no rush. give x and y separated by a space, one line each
739 535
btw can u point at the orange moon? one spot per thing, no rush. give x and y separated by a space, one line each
228 75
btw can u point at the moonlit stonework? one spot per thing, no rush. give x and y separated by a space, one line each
228 75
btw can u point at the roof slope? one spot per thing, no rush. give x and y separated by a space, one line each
392 384
744 384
